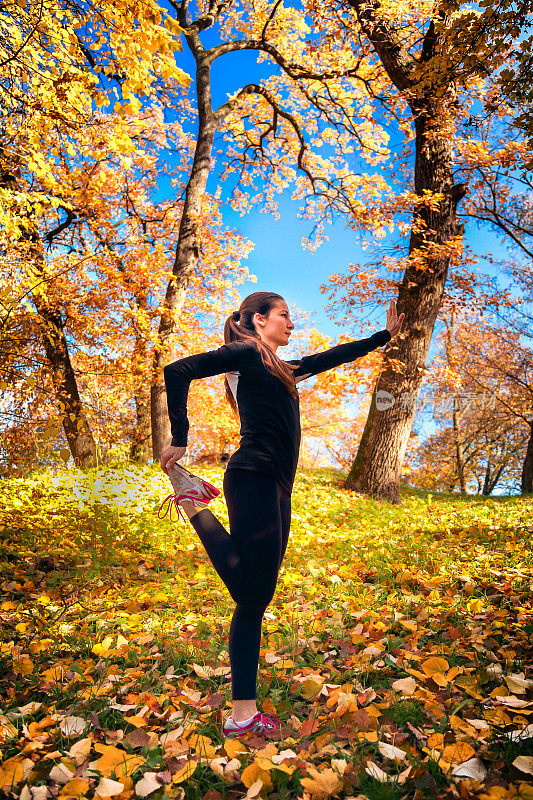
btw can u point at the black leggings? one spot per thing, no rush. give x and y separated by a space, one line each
248 562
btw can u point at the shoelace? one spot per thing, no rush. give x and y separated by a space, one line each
269 722
172 502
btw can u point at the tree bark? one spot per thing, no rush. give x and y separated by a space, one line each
79 436
486 483
459 454
527 468
187 249
377 466
141 434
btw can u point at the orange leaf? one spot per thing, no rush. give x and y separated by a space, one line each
458 752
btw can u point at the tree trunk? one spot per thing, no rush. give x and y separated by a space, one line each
527 467
140 444
486 483
459 454
79 437
377 466
141 434
187 249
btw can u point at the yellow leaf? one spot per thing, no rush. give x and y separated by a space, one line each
495 793
417 674
233 747
76 787
202 745
436 741
409 624
250 774
44 600
522 791
310 688
407 686
129 765
321 784
440 679
435 665
139 722
15 770
111 760
185 773
23 666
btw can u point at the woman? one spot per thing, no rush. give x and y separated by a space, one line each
260 474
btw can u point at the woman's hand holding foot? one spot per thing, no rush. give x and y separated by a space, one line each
170 455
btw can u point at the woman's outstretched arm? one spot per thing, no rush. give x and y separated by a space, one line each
341 354
344 353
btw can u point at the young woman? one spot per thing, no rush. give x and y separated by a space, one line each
260 474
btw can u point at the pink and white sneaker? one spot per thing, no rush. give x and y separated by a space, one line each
186 487
260 723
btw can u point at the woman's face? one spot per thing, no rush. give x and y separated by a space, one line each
275 328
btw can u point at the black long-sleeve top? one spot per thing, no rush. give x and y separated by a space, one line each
269 414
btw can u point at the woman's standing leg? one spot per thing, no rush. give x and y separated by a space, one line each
256 527
248 562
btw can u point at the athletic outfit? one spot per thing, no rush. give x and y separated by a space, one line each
257 483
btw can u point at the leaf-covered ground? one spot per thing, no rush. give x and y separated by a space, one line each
397 650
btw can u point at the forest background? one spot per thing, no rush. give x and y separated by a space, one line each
140 146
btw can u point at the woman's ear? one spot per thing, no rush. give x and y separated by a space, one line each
259 319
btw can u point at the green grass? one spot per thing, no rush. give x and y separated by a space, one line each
84 557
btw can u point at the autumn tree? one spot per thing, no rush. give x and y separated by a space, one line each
106 263
418 64
57 63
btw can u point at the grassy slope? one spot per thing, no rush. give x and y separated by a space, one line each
95 585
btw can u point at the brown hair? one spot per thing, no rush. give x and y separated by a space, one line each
239 327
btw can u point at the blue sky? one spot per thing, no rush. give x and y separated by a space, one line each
278 259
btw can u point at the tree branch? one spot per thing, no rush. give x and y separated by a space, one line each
397 61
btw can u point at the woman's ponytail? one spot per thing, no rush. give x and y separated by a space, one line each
239 327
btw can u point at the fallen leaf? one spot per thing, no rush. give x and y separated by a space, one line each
523 733
376 772
473 768
61 774
321 784
76 788
254 789
479 724
70 726
109 788
389 751
514 702
524 764
518 684
458 752
434 665
407 686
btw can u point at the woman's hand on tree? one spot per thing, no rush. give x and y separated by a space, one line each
394 322
169 456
